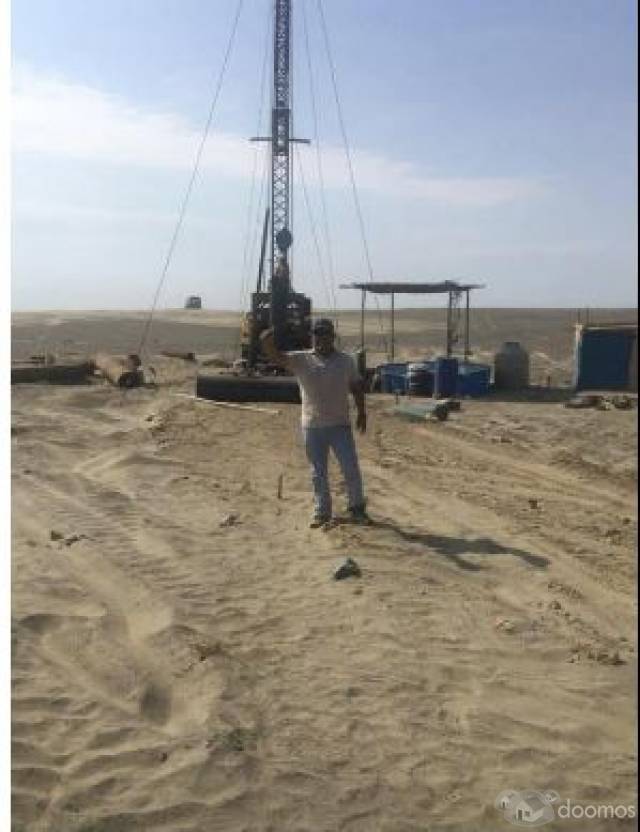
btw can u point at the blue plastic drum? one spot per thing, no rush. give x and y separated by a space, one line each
420 378
473 379
393 378
446 378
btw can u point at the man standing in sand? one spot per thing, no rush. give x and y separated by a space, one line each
326 377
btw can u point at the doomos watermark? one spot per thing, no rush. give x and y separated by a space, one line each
531 808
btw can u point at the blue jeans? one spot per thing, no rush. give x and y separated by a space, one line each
339 438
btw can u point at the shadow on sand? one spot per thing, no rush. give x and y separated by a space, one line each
454 548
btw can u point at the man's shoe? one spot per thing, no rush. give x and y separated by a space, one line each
319 520
358 514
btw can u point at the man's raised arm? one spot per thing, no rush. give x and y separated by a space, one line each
268 344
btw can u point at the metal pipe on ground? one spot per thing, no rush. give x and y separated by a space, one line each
434 409
52 373
186 356
248 388
122 372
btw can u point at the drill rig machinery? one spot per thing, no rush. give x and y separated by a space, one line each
288 312
279 307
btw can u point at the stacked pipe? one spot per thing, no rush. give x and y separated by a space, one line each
122 372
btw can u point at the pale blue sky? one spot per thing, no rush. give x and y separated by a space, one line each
492 141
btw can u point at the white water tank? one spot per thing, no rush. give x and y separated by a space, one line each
511 367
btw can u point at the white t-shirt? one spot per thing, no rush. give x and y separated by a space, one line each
325 383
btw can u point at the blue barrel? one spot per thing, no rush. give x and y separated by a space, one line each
445 383
473 379
393 378
420 378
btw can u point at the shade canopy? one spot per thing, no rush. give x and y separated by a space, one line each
445 287
390 288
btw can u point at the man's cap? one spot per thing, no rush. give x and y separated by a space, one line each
323 326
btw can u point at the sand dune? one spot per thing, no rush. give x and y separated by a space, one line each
183 660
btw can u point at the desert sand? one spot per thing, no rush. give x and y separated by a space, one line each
183 661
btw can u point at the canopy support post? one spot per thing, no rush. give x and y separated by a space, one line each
393 319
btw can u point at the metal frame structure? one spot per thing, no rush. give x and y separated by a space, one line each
280 138
280 129
454 290
288 311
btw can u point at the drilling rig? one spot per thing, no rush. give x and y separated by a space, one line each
288 312
278 306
